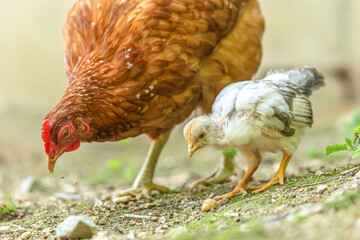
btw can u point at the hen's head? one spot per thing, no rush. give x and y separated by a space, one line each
61 137
199 132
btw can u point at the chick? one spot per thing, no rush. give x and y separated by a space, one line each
256 117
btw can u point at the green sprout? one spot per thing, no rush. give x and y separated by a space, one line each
349 145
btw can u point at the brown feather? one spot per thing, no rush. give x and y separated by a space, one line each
141 66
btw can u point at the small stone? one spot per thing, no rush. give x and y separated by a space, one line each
4 229
321 188
25 235
124 199
110 206
232 214
165 226
148 205
98 204
131 235
95 219
47 231
162 219
76 227
319 173
19 229
102 221
67 196
12 228
158 230
26 185
208 205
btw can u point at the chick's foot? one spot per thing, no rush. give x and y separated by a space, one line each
278 179
233 193
279 176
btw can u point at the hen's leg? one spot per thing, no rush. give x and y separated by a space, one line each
253 160
143 183
279 176
227 169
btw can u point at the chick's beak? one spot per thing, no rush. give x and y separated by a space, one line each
192 148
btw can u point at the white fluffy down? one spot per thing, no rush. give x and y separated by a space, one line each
257 114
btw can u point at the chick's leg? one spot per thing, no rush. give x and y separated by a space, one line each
253 159
241 187
143 183
279 176
226 169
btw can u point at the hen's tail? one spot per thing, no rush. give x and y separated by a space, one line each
307 79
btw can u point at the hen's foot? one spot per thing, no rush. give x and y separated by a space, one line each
143 190
219 176
143 184
233 193
278 179
226 170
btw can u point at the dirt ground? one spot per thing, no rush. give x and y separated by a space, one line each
311 204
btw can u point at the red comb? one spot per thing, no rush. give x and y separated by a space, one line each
45 134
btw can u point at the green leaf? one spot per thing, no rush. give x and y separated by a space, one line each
335 148
230 153
356 154
356 130
349 143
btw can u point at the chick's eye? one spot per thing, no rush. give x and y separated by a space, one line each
202 135
66 133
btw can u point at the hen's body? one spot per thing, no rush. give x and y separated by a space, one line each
143 66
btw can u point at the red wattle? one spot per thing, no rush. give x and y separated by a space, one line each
73 147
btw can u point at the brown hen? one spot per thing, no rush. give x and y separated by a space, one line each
142 66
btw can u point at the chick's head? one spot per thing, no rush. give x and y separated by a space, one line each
198 133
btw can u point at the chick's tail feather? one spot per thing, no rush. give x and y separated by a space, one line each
307 78
313 81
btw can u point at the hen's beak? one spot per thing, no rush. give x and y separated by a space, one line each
192 148
51 163
51 160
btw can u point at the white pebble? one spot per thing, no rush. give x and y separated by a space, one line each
25 235
321 188
162 219
208 205
124 199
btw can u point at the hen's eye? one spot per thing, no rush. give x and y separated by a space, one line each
66 133
202 135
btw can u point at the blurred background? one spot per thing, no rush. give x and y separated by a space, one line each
322 33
